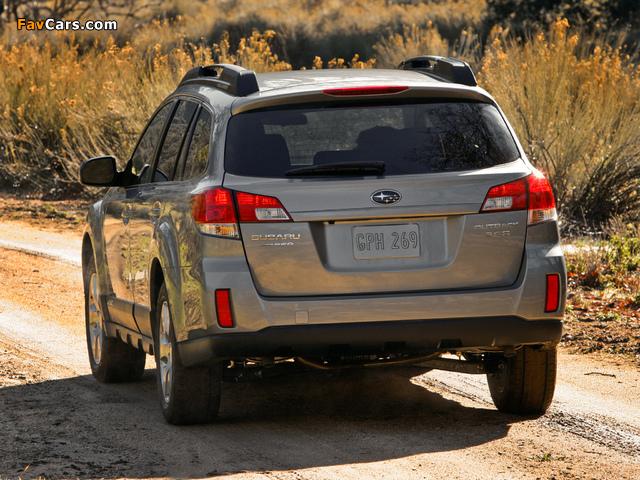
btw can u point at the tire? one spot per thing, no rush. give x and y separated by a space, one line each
524 384
111 359
188 396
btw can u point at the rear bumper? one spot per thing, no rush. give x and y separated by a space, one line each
415 337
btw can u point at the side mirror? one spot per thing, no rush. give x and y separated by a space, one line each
99 172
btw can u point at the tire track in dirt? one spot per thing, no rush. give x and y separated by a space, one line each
379 425
51 254
614 431
24 238
605 431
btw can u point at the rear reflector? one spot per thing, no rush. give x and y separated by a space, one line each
223 309
553 293
365 90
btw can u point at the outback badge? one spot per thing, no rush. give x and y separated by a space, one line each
386 197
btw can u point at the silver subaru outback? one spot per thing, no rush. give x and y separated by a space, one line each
268 223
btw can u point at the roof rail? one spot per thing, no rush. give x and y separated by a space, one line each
231 79
450 69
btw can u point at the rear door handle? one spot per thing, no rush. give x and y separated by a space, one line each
126 214
155 212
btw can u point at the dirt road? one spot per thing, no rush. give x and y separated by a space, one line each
58 422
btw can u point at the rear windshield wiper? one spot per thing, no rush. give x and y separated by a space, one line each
349 168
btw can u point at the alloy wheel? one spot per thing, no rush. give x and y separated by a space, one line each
96 320
165 363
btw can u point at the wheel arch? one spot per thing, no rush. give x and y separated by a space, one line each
87 254
156 279
171 278
93 247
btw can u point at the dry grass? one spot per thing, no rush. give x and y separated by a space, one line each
67 98
574 101
319 17
415 41
340 28
60 107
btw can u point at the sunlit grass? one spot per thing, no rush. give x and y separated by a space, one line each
415 41
60 107
574 101
573 98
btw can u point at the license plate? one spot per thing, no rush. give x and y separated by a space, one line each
386 241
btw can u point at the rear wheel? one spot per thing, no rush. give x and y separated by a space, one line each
524 384
111 359
187 395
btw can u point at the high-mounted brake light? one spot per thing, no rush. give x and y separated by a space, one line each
214 211
532 193
365 90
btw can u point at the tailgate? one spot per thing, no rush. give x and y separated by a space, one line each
342 242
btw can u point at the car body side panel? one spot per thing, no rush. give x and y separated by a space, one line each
219 263
114 219
120 311
544 256
166 230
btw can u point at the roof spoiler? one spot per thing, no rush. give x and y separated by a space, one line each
232 79
443 68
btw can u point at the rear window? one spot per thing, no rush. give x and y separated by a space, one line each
409 138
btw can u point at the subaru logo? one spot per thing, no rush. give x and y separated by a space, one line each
386 197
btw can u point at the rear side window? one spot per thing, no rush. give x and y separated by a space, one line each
173 140
198 153
142 157
409 138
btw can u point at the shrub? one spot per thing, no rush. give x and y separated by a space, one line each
334 29
60 107
574 102
415 41
521 15
611 261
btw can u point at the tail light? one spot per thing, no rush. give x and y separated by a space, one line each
553 293
532 193
510 196
258 208
215 213
542 206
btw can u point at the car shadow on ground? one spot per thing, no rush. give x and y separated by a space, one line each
77 427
